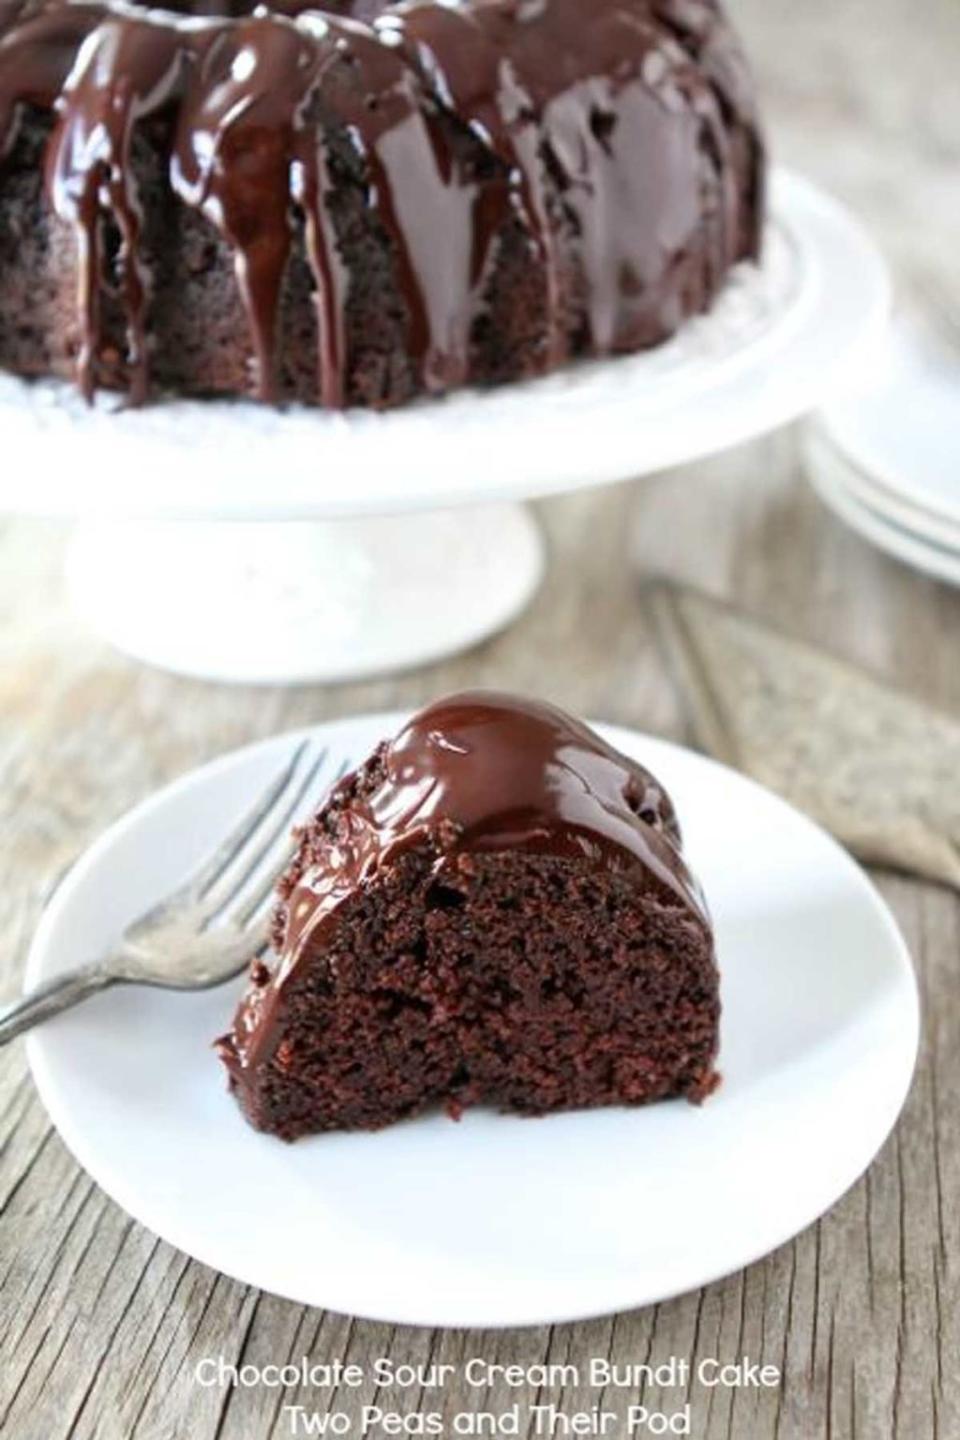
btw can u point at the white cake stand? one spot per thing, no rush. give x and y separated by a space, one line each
234 542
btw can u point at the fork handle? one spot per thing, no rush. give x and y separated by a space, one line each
51 998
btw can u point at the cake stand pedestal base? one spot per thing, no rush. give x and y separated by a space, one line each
305 601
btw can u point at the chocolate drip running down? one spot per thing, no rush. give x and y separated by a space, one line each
473 774
616 137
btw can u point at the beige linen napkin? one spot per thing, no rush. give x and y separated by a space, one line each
877 768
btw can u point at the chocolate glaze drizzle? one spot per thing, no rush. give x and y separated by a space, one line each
618 136
473 774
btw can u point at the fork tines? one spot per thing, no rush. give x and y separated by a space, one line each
240 879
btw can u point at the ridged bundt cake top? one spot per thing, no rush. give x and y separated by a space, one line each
608 123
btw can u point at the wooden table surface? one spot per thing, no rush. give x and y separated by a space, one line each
101 1323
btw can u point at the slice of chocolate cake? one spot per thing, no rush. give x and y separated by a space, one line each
494 909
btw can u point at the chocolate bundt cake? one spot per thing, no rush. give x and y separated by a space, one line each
355 202
493 909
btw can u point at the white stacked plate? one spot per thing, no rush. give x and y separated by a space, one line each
886 458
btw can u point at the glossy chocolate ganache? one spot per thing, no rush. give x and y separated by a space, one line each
474 776
409 196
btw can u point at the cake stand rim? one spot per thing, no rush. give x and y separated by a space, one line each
531 450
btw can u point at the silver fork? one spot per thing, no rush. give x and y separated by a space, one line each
210 928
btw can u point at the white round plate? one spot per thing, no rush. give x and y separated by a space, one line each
901 428
841 490
778 341
497 1220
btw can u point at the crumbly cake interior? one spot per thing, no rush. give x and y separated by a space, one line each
457 975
